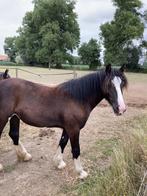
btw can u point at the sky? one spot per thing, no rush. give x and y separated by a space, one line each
91 14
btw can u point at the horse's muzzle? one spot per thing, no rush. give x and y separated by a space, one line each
122 110
119 110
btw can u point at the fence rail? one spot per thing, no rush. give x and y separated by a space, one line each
74 73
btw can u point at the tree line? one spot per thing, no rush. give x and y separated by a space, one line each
50 33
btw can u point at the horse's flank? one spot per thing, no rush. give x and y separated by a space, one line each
40 105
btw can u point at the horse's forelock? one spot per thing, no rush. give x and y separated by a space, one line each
106 84
108 79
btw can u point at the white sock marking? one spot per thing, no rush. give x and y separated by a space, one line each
58 159
22 153
79 168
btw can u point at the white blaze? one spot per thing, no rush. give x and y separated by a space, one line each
117 82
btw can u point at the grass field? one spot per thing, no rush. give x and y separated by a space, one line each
133 77
113 149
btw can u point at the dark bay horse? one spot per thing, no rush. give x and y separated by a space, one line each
67 105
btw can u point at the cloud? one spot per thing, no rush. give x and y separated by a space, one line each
91 14
90 11
145 34
11 15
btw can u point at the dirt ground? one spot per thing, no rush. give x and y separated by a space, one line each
39 177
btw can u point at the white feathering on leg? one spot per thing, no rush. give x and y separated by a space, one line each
22 153
58 159
79 168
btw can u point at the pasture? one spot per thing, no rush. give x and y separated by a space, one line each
101 134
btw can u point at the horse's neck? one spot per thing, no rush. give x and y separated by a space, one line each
97 95
95 99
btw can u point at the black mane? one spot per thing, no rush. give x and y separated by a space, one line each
81 89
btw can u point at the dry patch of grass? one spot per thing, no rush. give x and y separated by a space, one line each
127 172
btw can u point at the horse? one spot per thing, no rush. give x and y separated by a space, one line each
4 75
66 106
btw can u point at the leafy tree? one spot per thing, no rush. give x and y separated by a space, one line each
49 33
90 53
28 40
76 60
10 48
133 55
120 34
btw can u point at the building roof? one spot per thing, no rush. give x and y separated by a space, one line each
4 57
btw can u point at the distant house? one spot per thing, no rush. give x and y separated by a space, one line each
4 57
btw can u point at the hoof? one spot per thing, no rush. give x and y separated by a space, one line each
27 157
61 165
83 175
1 167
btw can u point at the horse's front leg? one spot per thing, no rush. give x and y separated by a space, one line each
58 158
21 152
74 139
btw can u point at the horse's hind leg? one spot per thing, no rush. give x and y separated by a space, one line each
2 125
21 152
58 158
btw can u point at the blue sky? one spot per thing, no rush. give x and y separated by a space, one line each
91 13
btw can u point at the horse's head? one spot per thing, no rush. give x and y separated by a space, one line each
114 83
4 75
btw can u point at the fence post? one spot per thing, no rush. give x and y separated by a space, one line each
16 72
74 73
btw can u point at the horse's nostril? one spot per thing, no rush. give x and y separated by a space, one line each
121 111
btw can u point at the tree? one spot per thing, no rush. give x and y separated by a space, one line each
90 53
28 40
10 48
49 33
120 34
133 55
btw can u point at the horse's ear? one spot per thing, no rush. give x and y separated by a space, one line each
6 73
123 67
108 69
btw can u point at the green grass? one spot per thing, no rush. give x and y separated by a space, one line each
125 175
106 146
7 63
132 77
77 67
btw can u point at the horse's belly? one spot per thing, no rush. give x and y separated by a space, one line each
40 117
